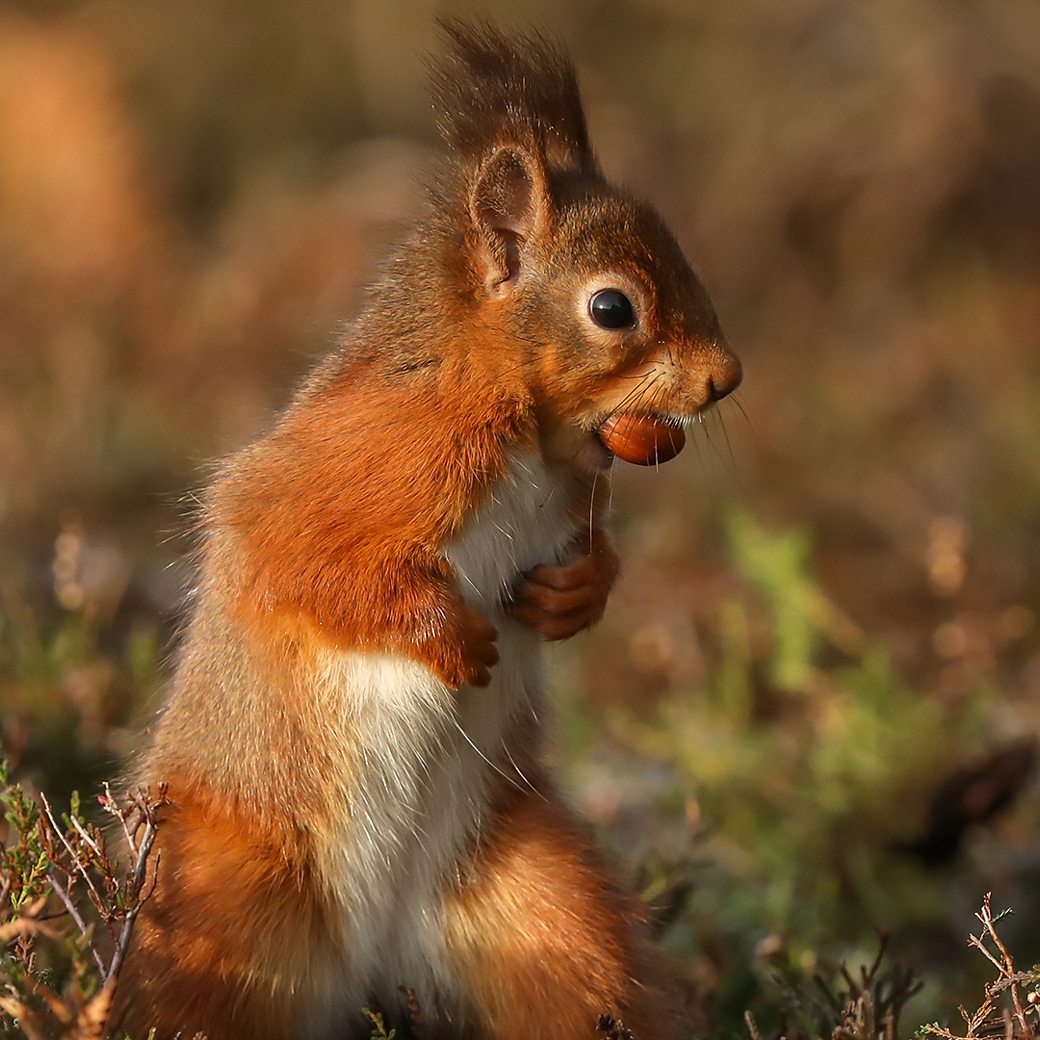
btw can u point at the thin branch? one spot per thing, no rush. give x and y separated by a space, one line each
978 944
1008 969
24 928
59 890
76 861
110 805
84 835
137 882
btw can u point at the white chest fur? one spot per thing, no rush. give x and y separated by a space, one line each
524 522
425 758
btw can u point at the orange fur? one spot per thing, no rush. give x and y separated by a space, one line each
371 508
339 827
232 933
546 940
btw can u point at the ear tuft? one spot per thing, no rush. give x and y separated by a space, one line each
491 87
508 207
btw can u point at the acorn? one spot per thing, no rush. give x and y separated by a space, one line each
644 440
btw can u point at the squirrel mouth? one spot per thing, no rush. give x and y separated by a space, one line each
644 440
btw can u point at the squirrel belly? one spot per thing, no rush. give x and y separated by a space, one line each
330 802
430 762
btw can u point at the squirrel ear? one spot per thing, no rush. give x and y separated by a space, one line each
508 205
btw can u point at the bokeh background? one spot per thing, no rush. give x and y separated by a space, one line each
810 710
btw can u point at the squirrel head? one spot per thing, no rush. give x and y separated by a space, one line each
576 283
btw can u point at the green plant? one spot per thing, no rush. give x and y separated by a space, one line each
67 910
865 1005
793 788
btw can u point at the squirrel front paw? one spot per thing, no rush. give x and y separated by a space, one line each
559 602
474 654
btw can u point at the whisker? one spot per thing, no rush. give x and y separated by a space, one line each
592 506
747 418
697 445
496 768
636 391
621 405
520 773
714 447
735 469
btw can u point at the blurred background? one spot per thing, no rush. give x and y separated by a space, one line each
810 710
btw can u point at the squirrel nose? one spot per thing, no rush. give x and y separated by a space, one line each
725 378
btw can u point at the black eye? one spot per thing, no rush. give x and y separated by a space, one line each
612 309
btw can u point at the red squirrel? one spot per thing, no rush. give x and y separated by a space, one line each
353 734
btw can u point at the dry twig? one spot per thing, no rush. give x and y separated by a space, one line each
51 870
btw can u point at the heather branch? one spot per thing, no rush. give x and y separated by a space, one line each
70 907
1006 966
989 1018
111 805
140 873
76 860
61 858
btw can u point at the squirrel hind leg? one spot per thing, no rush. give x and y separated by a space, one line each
234 915
539 934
